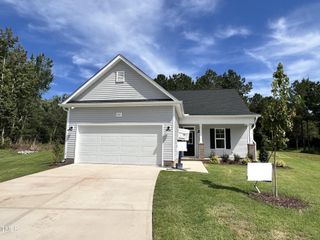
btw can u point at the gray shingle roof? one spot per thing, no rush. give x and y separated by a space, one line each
212 102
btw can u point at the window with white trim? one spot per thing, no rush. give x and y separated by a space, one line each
120 76
220 135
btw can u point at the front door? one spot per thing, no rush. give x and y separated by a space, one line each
190 143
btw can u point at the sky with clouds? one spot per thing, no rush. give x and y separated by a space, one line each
162 36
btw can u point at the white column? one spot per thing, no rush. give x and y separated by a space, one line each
200 140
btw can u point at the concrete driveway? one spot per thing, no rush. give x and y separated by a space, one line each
79 202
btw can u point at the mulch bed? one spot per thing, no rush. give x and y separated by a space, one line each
281 201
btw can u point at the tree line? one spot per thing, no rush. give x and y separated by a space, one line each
304 99
24 114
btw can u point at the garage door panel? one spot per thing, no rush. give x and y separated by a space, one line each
120 144
112 140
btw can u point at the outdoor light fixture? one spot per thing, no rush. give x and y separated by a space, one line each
168 129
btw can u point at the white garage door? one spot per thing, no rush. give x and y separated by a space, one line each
119 144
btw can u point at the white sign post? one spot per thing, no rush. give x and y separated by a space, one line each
259 172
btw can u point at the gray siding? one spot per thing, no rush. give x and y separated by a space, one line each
134 87
129 115
239 140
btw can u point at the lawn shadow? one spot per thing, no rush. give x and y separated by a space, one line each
223 187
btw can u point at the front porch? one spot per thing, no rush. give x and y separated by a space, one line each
232 138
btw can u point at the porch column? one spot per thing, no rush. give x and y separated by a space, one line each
201 145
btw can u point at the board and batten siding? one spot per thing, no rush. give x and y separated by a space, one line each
105 115
135 87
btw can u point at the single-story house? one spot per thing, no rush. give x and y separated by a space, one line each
122 116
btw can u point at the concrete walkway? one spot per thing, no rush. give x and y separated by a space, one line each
194 166
79 202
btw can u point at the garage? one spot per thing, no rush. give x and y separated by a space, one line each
121 144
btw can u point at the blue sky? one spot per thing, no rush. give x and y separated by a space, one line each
168 37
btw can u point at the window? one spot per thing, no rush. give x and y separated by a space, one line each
220 137
120 76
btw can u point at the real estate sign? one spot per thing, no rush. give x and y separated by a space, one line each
259 172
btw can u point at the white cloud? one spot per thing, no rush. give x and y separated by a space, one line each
201 41
199 5
199 38
232 31
102 29
293 40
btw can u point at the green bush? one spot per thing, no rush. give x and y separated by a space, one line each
245 161
57 153
281 163
263 155
225 158
236 158
214 159
250 156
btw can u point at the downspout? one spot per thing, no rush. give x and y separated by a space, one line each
254 142
66 134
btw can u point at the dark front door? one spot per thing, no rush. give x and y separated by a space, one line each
190 144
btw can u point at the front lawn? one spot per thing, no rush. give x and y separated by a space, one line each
217 205
13 165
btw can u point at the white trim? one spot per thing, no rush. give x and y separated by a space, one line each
76 160
117 104
200 134
218 119
174 134
107 68
222 116
66 136
121 124
224 138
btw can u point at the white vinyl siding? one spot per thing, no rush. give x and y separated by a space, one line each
135 87
140 115
239 139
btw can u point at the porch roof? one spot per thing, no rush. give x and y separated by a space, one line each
212 102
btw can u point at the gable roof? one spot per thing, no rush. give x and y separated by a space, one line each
212 102
107 67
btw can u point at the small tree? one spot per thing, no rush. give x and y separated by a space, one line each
277 118
57 152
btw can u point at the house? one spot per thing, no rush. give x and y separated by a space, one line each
121 116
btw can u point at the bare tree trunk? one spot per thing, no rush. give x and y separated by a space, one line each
303 138
52 134
2 136
308 136
275 181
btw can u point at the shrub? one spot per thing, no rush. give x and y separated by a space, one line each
214 159
281 163
250 156
225 158
245 161
236 158
57 153
263 155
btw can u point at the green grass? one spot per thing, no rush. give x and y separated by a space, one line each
13 165
217 205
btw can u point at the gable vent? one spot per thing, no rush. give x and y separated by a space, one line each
120 76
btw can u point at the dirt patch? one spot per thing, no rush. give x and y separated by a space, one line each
282 201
